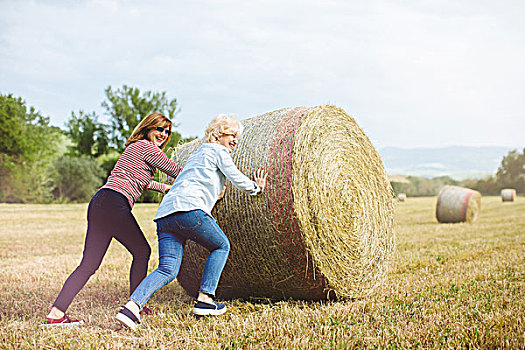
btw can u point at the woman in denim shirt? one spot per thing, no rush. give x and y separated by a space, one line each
185 213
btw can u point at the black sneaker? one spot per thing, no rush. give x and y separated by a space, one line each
202 309
128 318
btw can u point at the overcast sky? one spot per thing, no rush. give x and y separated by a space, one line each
413 73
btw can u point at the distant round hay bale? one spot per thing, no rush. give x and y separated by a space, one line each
402 197
322 228
508 194
457 204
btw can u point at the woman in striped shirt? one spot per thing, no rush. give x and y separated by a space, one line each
109 212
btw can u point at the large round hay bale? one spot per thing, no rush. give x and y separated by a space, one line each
323 227
457 204
508 194
402 197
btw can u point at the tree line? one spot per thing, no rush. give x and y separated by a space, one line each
41 163
510 174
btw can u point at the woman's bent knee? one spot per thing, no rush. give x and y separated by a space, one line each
225 245
169 267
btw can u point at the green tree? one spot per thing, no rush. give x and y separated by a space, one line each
127 106
89 137
12 120
76 178
28 144
511 173
24 133
486 186
421 186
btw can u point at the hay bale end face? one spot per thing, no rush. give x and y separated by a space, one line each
457 204
323 227
508 195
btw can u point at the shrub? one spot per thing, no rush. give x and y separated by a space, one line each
76 179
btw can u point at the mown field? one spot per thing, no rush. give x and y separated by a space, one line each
451 286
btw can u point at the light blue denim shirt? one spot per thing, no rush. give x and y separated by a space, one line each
202 180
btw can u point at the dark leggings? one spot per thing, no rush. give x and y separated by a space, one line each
109 215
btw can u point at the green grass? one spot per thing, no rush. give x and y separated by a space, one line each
450 286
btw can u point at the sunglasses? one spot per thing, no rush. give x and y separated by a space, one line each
161 129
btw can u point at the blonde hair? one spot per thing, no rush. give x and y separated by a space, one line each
151 121
223 124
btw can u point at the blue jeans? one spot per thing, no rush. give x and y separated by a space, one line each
173 231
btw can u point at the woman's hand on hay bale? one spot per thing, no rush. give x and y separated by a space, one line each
259 176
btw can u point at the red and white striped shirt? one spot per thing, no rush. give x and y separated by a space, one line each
136 167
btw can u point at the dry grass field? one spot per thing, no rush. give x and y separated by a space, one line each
451 286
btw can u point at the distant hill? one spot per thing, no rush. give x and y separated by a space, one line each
458 162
